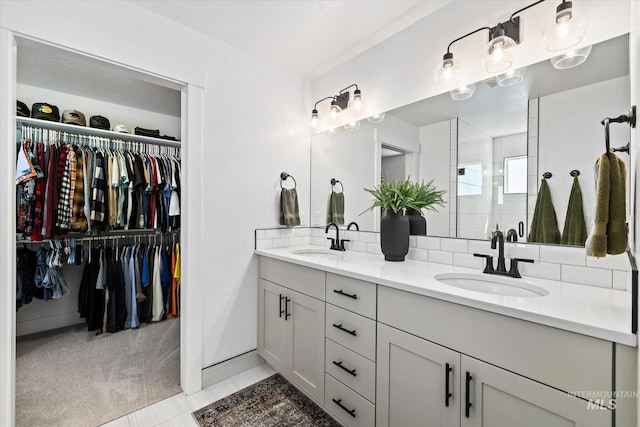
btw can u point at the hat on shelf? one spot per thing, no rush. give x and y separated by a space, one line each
44 111
22 110
99 122
155 133
73 117
121 128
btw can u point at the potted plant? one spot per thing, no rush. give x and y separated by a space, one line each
394 197
425 197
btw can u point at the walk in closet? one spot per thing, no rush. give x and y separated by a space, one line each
98 224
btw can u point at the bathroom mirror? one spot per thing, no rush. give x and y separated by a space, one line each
489 151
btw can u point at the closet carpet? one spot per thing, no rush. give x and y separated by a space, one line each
70 377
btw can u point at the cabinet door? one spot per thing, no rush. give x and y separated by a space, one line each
500 398
272 331
412 379
307 344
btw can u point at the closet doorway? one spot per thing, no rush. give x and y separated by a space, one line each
66 363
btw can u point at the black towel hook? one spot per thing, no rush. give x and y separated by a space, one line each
574 173
547 175
334 182
284 176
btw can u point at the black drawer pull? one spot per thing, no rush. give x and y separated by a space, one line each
339 364
345 330
287 300
351 412
281 310
467 396
341 292
447 393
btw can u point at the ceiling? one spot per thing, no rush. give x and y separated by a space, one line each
305 37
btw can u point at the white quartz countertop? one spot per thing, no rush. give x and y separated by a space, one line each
597 312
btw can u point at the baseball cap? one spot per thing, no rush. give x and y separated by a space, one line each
121 128
73 117
22 110
99 122
44 111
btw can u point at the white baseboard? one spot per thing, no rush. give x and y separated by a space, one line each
32 326
223 370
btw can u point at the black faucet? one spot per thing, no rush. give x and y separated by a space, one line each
512 235
353 223
498 238
336 244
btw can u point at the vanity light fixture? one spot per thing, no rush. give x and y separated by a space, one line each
571 59
511 77
352 126
376 118
500 52
566 30
357 106
463 92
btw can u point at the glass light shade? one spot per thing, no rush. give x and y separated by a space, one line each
570 59
511 77
463 92
376 118
352 126
334 117
501 51
357 105
565 30
314 119
448 73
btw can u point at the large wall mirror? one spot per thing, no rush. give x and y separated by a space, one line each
488 151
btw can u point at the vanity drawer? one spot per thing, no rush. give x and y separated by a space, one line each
356 372
353 331
305 280
347 406
352 294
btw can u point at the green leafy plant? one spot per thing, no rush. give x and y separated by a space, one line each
403 194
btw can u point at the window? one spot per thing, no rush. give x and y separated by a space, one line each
515 175
470 179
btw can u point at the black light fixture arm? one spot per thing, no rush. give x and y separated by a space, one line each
348 87
513 15
315 107
466 35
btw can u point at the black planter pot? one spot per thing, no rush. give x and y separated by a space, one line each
417 223
394 236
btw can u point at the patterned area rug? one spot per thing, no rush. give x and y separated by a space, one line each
269 403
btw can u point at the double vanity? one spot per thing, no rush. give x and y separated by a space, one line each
415 343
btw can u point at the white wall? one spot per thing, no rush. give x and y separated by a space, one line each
508 209
570 136
393 168
246 144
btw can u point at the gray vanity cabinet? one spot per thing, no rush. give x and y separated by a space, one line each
291 324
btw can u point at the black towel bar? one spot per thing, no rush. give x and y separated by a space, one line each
284 176
630 118
334 182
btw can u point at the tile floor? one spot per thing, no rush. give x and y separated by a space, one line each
176 410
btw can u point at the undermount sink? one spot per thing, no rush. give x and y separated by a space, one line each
491 284
317 253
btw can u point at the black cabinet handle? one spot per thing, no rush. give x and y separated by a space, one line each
447 393
351 412
339 364
341 292
345 330
280 306
286 308
467 394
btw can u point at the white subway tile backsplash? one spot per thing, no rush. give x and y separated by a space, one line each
541 270
440 257
259 234
287 232
413 241
358 246
264 244
374 248
306 240
520 250
295 241
614 262
468 260
368 237
620 280
319 241
418 254
281 243
453 245
587 275
316 232
425 242
302 232
481 247
563 255
271 234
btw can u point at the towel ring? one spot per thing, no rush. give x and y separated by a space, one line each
574 173
334 182
547 175
284 176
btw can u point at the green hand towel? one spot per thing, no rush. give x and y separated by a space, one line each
596 244
544 225
289 212
336 208
617 232
575 226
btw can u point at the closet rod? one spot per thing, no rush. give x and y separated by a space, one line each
88 131
120 235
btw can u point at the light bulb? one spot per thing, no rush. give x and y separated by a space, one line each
314 118
357 106
463 92
500 52
449 72
352 126
566 29
376 118
334 117
570 59
511 77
